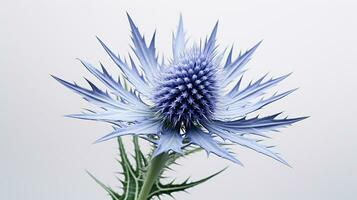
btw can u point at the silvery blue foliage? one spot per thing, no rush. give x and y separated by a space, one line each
197 98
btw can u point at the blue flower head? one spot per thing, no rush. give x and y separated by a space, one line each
195 99
187 91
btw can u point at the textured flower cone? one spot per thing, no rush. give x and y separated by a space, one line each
187 90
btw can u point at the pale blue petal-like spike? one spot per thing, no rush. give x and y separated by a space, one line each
178 40
146 127
115 115
215 128
131 74
270 123
170 140
257 88
205 141
133 65
236 68
238 101
146 55
235 89
249 88
267 101
210 45
117 88
94 96
235 112
152 43
229 57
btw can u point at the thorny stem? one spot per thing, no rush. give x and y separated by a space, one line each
156 165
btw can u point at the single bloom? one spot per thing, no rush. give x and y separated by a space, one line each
194 98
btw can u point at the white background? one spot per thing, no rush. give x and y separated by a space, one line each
44 155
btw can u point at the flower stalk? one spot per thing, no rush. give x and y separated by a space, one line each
156 165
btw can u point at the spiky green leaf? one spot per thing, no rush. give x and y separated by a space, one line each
160 189
134 174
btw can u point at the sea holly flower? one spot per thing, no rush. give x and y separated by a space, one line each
195 98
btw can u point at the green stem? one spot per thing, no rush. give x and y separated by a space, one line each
156 165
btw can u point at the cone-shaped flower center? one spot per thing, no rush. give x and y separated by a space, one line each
187 91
